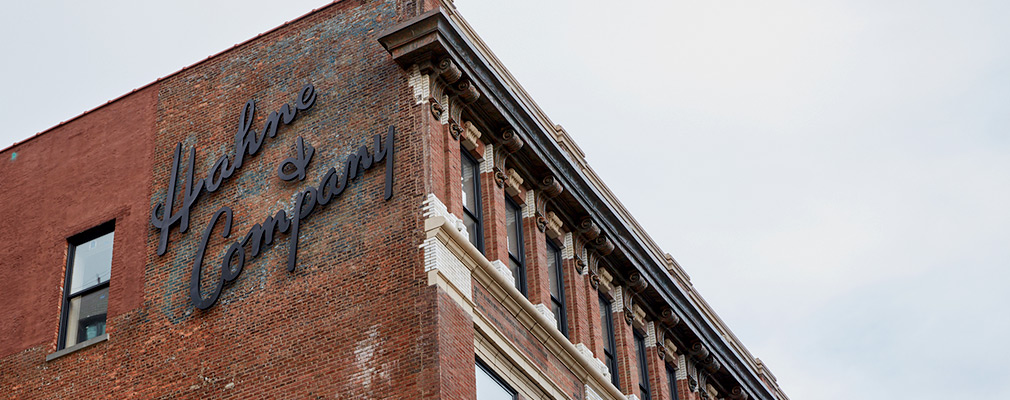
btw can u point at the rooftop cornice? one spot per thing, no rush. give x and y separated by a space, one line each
442 33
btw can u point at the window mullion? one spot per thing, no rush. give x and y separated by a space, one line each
88 290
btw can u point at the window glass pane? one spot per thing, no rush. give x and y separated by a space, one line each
489 388
471 228
516 270
92 263
643 369
513 224
556 309
86 317
671 376
609 347
469 179
552 271
605 325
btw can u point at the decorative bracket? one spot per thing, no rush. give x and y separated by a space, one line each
594 271
589 229
637 282
510 143
711 364
629 306
603 245
737 393
698 350
470 136
670 318
549 188
435 75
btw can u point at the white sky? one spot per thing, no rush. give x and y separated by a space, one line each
834 175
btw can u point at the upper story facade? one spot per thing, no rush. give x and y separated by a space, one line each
361 203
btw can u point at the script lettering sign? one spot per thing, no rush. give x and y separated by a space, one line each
247 143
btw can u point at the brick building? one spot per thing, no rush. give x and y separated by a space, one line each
361 203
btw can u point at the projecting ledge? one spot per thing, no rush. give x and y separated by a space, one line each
417 39
87 343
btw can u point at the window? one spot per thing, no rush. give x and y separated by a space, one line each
86 289
490 386
517 260
557 286
471 198
643 367
609 345
671 376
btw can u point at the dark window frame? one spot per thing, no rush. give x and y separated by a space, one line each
643 366
475 214
609 342
671 376
560 302
519 259
497 378
72 243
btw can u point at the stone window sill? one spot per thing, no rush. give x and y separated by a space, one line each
88 343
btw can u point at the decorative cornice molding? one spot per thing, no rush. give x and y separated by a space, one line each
440 32
449 89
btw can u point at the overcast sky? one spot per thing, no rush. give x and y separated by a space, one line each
834 175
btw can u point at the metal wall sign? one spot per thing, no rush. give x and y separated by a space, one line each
248 142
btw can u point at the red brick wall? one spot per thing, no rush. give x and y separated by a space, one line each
576 305
356 319
76 176
493 203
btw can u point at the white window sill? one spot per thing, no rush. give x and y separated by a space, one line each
87 343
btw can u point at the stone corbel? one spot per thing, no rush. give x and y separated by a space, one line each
603 245
637 282
581 266
594 271
671 350
549 188
660 342
698 350
666 349
589 230
737 393
711 364
510 144
640 318
703 385
462 93
513 183
629 306
669 317
711 391
420 49
554 225
435 77
470 136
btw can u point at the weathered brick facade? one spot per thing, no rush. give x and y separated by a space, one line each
369 310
